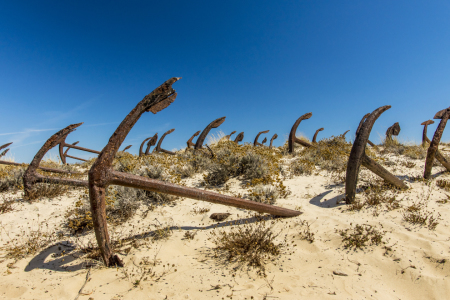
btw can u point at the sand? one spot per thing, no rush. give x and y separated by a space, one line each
413 262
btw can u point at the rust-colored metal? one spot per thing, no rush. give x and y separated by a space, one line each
315 135
151 143
343 135
23 165
424 134
433 148
4 152
214 124
264 141
189 142
40 168
101 175
127 147
31 177
63 155
158 147
255 142
358 157
228 137
293 139
359 127
239 138
274 137
393 130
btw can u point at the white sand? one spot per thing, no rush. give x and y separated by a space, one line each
414 269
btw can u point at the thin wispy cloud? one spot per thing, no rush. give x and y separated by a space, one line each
28 131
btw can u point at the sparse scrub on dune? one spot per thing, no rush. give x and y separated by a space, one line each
264 194
417 214
395 147
7 205
11 178
361 236
301 167
251 245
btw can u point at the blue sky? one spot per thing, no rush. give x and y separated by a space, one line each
262 64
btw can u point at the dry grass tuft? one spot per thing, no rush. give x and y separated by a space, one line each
361 236
251 245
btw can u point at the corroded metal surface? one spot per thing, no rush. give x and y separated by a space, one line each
433 148
63 155
101 175
214 124
255 142
393 130
158 147
358 157
264 141
151 143
274 137
31 177
315 135
189 142
359 127
424 134
239 137
293 139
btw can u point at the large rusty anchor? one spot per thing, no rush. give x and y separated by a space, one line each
22 165
214 124
315 135
239 138
271 140
424 133
101 175
359 127
433 152
256 143
393 130
158 147
293 139
63 155
30 177
151 142
343 135
358 157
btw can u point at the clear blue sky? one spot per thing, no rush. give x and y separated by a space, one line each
262 64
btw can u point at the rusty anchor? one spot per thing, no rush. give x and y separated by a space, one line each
358 157
393 130
343 135
315 135
39 167
271 140
424 133
359 127
293 139
158 147
151 142
30 177
64 155
6 150
189 142
101 175
239 138
127 147
434 144
227 137
256 143
214 124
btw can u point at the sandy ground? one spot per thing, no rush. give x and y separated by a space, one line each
412 264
